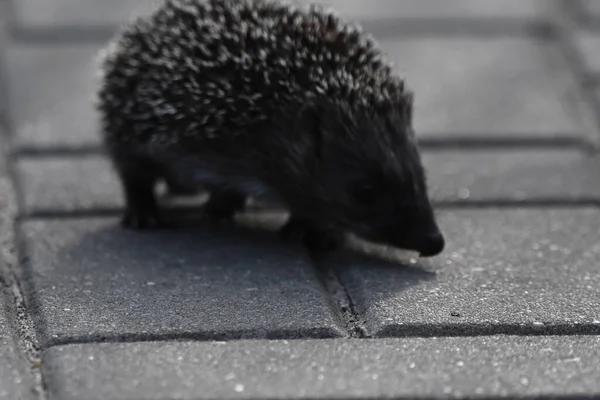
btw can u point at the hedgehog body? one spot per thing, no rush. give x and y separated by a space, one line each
245 97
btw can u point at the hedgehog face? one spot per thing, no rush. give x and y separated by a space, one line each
391 208
368 178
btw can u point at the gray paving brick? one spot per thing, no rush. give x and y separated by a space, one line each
43 13
416 9
92 279
471 87
503 270
15 380
513 175
475 367
52 93
73 184
69 184
588 44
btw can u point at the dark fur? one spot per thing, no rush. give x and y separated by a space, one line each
342 160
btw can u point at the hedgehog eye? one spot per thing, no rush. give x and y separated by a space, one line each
364 192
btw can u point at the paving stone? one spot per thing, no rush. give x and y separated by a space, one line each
75 184
470 367
69 184
93 280
503 270
57 13
466 87
416 9
15 380
52 91
512 175
588 44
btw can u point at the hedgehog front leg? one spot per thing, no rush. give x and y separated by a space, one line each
317 239
138 179
319 242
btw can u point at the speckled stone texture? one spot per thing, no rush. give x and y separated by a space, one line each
54 107
504 270
16 382
52 13
15 379
476 93
94 280
438 9
69 184
351 369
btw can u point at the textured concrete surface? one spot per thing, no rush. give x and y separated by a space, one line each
513 175
195 282
69 185
438 9
505 108
44 13
503 270
15 380
407 368
476 92
56 106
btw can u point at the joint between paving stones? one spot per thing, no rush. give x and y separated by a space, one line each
474 330
342 300
25 331
207 336
26 334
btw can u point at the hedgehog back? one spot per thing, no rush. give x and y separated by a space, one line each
197 69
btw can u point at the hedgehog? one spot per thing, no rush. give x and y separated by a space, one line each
250 98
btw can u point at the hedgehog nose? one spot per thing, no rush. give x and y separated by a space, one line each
432 245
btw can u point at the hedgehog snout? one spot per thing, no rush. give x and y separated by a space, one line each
431 245
428 242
